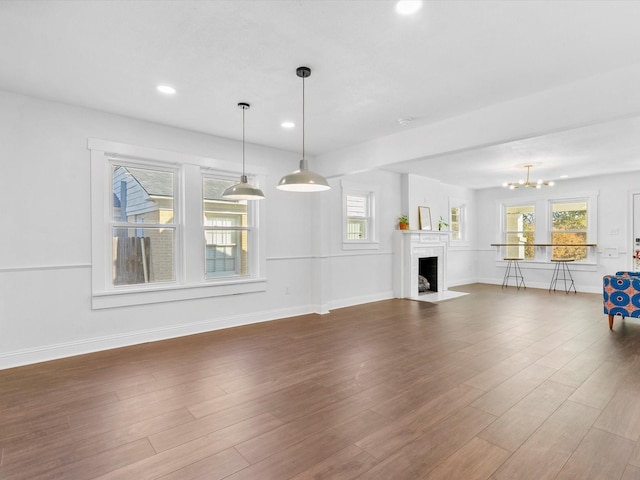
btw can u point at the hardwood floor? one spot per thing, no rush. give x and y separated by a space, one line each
497 384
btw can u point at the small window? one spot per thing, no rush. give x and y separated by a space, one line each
358 217
455 221
569 224
519 229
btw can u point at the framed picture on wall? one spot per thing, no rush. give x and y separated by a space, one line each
424 216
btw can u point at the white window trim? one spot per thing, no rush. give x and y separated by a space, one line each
543 207
189 284
372 192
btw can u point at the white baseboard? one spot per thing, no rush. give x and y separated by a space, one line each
69 349
543 285
350 302
461 281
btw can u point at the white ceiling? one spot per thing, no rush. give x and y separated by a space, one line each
370 67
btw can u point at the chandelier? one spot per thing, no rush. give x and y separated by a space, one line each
526 183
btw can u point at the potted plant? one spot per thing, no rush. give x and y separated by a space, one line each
442 223
403 222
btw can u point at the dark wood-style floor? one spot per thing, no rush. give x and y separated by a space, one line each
499 384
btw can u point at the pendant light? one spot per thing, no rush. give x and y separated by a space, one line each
303 180
243 190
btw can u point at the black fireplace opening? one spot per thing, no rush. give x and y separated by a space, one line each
428 269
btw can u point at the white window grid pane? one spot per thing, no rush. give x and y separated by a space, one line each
142 195
143 255
356 229
226 252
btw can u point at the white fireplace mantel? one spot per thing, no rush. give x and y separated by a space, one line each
409 247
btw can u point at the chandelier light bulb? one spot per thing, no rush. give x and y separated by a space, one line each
526 183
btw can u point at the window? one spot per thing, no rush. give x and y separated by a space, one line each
455 219
560 220
358 217
160 227
142 196
569 224
519 229
359 227
225 230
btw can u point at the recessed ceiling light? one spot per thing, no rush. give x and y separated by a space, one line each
408 7
564 176
287 124
166 89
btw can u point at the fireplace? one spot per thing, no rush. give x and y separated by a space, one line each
415 250
428 268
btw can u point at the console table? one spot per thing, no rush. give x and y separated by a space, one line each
544 244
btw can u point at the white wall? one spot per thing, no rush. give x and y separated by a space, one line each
359 276
427 192
614 230
45 257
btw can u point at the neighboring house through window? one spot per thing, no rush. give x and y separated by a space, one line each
142 196
226 230
168 228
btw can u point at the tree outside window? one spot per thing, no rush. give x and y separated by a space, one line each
569 223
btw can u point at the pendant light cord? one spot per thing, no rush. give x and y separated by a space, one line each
243 174
303 118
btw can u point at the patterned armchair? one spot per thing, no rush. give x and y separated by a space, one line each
621 295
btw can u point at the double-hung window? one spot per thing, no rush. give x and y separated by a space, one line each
143 224
160 227
569 225
226 230
455 221
556 223
519 230
359 218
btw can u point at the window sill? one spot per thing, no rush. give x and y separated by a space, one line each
360 245
172 293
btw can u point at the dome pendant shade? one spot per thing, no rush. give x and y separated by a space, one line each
243 190
303 180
